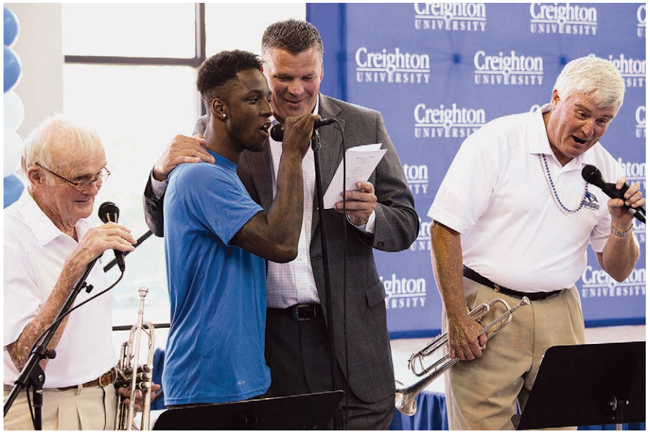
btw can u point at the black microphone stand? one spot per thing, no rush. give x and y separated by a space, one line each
138 243
315 145
32 375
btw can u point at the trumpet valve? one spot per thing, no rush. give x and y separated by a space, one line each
411 362
416 364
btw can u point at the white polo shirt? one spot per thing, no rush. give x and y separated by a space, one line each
512 230
34 253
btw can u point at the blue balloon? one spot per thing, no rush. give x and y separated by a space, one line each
13 189
13 69
11 27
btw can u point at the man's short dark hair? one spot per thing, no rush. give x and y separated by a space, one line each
294 36
218 73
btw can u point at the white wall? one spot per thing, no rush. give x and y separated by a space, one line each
39 47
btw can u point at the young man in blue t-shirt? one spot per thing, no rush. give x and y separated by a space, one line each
217 237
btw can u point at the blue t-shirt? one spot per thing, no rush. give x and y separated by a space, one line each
215 350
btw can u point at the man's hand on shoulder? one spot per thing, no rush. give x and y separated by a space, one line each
182 149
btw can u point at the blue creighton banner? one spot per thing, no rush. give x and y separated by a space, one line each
439 71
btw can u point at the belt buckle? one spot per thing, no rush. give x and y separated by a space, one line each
109 378
295 312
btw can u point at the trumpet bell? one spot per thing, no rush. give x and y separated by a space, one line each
404 403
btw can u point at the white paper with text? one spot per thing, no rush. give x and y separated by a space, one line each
361 161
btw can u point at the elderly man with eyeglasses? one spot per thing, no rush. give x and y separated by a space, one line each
49 240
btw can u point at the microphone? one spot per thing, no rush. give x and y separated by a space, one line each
592 175
277 132
109 212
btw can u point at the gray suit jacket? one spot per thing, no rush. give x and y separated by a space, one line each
371 375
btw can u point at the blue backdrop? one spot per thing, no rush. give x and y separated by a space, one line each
438 72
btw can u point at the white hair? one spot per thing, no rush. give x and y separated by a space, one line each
54 131
594 77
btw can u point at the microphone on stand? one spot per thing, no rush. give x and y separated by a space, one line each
592 175
109 212
277 132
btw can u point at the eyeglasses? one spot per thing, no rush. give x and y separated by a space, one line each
85 182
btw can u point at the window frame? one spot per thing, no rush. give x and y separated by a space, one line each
195 62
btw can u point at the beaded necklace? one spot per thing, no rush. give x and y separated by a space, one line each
551 188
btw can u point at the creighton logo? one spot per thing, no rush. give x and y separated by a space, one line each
640 122
508 70
634 172
563 18
423 241
454 17
632 70
591 202
417 177
446 122
596 283
391 67
404 293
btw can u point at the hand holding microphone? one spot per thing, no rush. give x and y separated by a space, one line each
109 212
296 133
277 132
592 175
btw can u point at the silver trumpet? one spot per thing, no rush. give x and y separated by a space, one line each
405 397
134 376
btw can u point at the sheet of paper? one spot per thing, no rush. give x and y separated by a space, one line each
361 161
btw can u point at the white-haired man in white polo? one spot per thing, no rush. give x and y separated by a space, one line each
520 226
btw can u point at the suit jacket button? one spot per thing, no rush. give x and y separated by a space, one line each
380 244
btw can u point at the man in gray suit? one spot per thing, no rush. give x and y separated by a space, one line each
379 214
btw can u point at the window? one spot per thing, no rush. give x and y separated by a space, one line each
129 30
130 71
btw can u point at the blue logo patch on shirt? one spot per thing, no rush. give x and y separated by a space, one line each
590 201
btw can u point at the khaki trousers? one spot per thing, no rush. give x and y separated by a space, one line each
485 393
88 408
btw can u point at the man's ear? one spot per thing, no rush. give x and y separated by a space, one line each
555 98
35 176
219 109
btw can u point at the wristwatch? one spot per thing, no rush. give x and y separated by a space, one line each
623 233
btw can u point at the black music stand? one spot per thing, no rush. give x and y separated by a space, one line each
309 411
580 385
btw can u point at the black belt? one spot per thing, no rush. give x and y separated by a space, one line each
300 312
532 296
